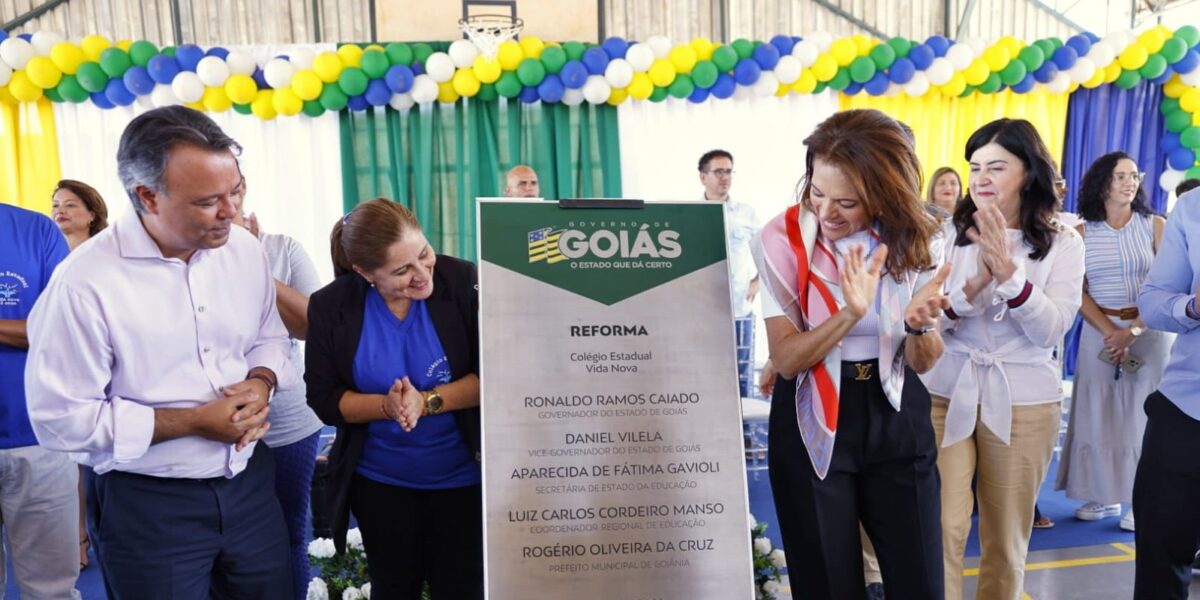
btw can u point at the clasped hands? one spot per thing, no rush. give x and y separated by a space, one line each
404 404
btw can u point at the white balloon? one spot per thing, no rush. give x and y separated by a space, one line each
572 97
402 102
767 85
5 73
1101 54
1115 39
163 95
960 56
661 46
806 51
1193 78
823 40
788 69
240 63
894 89
424 88
463 53
1060 84
596 90
43 41
742 92
146 101
1083 70
278 72
917 86
212 71
440 67
16 52
1170 178
640 57
619 73
302 58
940 71
976 44
188 87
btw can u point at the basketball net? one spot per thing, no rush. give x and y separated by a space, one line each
489 31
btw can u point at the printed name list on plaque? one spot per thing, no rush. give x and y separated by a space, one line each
613 452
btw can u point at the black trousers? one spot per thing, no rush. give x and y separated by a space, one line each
413 536
190 539
883 473
1166 491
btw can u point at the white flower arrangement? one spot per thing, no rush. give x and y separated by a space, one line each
342 576
768 562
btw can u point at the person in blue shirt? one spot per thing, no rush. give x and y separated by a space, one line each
39 504
1166 489
392 360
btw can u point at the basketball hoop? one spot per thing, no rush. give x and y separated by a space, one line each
489 31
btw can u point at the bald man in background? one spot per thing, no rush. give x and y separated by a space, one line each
522 183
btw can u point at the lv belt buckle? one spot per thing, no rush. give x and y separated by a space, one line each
864 371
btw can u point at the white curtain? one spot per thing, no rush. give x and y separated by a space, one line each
292 164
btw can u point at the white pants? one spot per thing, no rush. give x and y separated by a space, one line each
39 511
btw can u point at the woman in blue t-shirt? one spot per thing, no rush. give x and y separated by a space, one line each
392 361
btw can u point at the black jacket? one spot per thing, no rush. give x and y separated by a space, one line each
335 321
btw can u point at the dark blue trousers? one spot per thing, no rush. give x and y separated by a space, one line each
190 539
744 326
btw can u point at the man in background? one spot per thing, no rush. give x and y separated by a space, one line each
522 182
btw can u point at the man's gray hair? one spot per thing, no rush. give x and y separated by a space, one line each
148 139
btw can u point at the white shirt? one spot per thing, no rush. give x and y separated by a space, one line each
741 223
122 331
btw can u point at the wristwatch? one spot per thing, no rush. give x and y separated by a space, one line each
433 402
1137 330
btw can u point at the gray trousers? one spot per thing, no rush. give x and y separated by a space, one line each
39 511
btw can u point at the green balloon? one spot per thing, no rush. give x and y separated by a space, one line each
311 108
659 94
743 47
1013 73
1190 138
115 62
967 91
375 64
531 72
487 93
821 87
141 51
1128 80
353 81
53 94
421 52
1032 57
862 69
1058 43
1155 65
841 81
1173 50
243 109
168 51
554 58
399 53
682 87
70 90
1178 121
1168 105
883 56
992 85
509 85
332 98
1192 173
574 50
1046 46
724 57
1189 34
91 77
900 46
704 74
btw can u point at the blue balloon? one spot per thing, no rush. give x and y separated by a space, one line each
399 79
162 68
615 47
921 56
1065 57
100 100
528 95
218 52
724 87
938 44
1181 159
29 38
596 60
853 89
378 93
1080 43
357 103
1025 85
746 71
1047 72
877 85
260 79
117 93
1188 63
699 95
1167 74
551 89
1170 142
189 56
137 80
902 71
418 68
767 56
3 35
783 44
573 74
1093 38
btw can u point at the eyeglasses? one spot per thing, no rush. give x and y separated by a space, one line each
719 172
1134 177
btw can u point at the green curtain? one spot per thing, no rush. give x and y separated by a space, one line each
438 159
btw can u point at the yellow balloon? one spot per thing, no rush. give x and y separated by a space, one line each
446 93
487 70
782 90
825 68
241 88
216 100
6 96
1133 57
843 51
1012 44
1096 81
263 106
67 57
806 83
532 46
1196 119
641 87
306 85
465 82
1174 87
977 73
617 96
1112 72
662 72
1073 88
327 66
1190 100
124 44
510 55
703 47
94 45
375 47
197 105
351 55
955 86
862 44
42 72
22 88
683 58
997 57
1152 40
287 103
